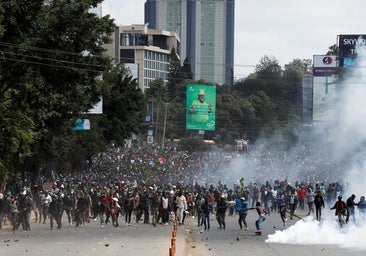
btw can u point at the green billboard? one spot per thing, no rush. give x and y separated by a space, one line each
201 107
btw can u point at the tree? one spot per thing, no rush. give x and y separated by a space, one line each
186 70
52 57
123 104
268 68
157 91
333 50
174 77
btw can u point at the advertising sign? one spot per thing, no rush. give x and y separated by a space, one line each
201 107
324 90
149 111
348 48
324 65
81 125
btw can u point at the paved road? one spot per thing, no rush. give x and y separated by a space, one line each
137 239
144 239
234 242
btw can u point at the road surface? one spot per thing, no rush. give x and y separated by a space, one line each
144 239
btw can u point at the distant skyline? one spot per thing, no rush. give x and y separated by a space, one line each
284 29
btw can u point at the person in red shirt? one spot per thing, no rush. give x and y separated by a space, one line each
301 195
340 210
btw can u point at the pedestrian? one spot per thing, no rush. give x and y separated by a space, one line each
301 195
165 206
181 203
243 212
319 204
14 212
255 194
27 207
310 200
340 210
261 217
281 200
206 211
292 203
221 212
129 205
46 200
361 206
198 203
154 199
350 203
102 208
267 199
55 209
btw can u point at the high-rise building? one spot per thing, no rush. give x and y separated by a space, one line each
144 51
206 30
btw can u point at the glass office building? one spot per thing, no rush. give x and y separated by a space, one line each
206 30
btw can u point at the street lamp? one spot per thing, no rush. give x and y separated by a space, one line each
166 112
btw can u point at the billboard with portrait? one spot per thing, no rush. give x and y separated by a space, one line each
201 107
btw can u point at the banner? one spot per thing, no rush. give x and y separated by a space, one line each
201 107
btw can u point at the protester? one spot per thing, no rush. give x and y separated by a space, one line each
350 203
243 212
129 205
181 203
55 209
319 204
310 200
301 195
165 206
154 199
261 217
361 206
14 212
198 204
46 200
221 212
206 211
281 200
340 210
292 203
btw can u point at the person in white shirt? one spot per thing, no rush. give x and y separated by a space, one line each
181 203
46 200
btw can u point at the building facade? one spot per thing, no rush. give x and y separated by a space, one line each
146 51
206 30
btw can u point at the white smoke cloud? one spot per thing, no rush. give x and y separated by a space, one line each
345 140
309 231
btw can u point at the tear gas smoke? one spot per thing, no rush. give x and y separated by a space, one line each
343 140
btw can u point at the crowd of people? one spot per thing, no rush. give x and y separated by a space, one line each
153 185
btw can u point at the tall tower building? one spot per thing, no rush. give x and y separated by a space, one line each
206 30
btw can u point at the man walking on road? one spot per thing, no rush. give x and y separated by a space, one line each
221 211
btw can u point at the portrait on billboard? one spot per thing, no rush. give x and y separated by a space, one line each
200 107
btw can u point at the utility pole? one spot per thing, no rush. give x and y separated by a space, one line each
166 112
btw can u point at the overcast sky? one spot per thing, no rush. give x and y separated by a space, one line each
284 29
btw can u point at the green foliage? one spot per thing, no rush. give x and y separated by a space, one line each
52 58
157 91
123 104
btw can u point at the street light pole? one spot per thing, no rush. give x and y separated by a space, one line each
166 112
